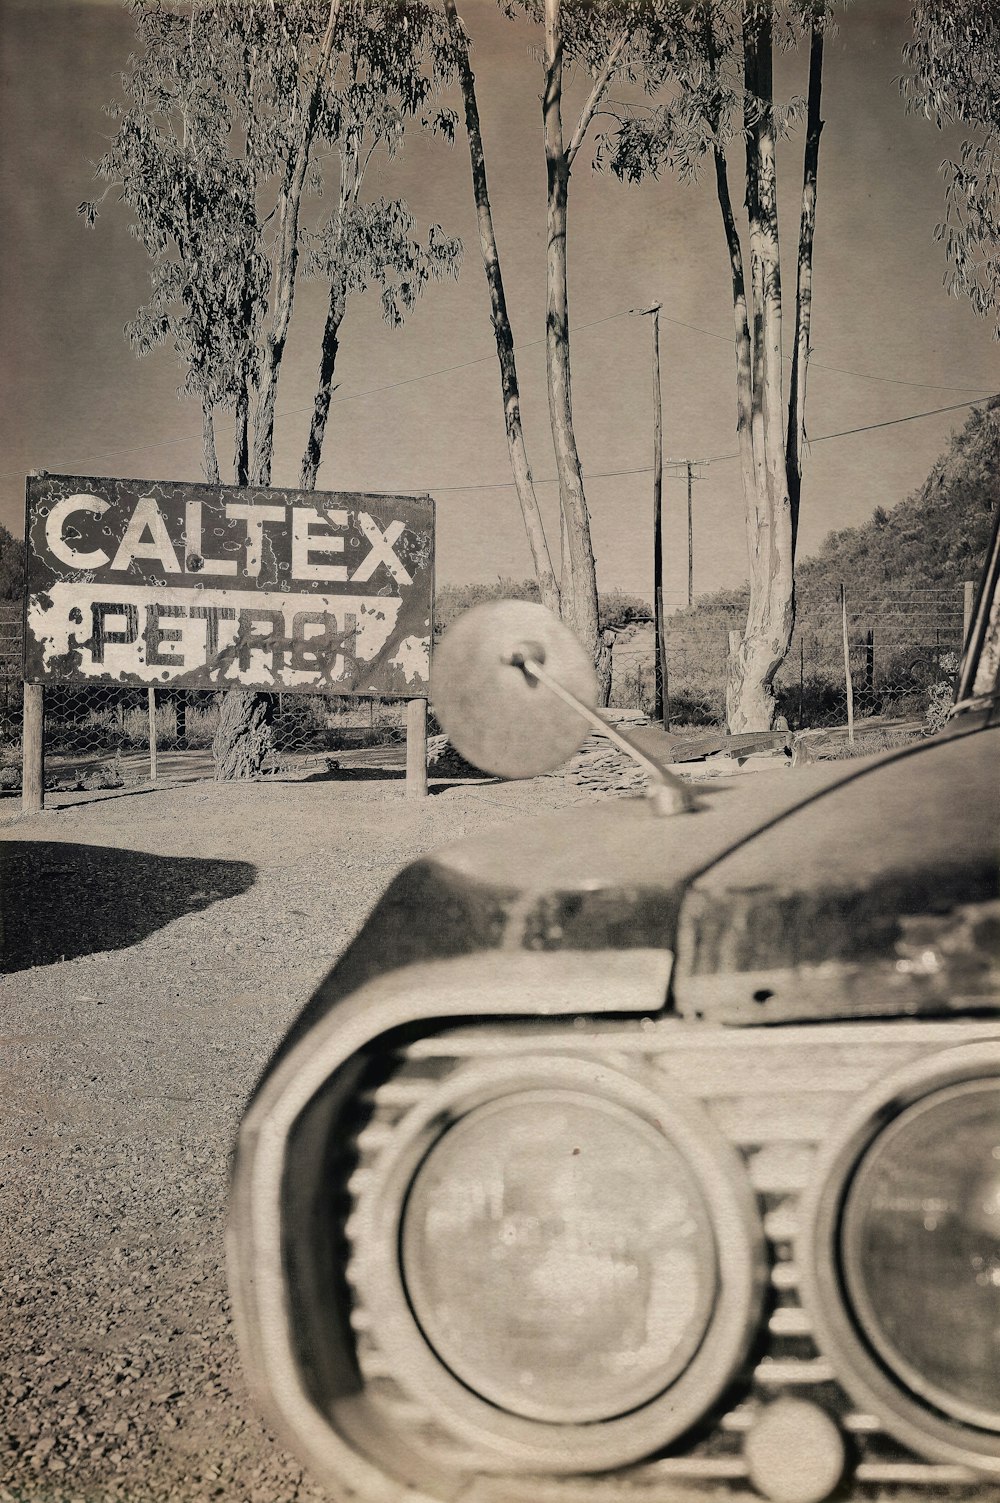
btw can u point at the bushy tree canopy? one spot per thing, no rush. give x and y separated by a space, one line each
953 77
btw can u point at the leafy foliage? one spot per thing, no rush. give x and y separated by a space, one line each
193 203
375 244
689 58
12 564
237 113
953 76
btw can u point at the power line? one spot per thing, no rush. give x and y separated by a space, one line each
870 427
446 369
609 318
817 365
500 485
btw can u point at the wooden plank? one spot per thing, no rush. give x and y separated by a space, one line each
33 750
151 707
416 748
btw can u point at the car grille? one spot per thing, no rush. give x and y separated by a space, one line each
778 1096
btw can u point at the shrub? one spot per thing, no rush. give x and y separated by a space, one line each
941 696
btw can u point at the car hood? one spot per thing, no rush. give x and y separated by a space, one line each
615 875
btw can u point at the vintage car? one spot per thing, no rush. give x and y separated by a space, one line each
632 1155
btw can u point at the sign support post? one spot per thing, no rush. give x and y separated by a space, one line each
416 748
151 699
33 750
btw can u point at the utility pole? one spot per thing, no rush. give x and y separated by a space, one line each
678 470
658 647
690 542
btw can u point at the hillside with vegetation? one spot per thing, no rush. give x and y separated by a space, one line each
903 574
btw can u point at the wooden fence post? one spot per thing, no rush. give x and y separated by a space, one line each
33 750
870 662
968 600
802 678
847 666
151 702
416 748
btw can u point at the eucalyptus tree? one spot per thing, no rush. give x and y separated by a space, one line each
593 35
596 36
541 557
394 59
710 71
193 208
953 77
234 115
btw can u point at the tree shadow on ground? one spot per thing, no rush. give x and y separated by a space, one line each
62 901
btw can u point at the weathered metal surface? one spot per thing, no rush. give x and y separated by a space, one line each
147 582
879 899
616 877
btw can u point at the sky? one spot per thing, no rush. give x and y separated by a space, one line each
418 409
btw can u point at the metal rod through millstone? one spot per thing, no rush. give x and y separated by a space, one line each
669 794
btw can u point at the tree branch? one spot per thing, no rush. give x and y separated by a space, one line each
510 390
288 236
596 94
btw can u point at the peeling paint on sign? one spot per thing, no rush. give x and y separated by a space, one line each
155 582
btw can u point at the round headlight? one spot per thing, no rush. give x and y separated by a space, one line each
559 1256
900 1258
921 1249
563 1260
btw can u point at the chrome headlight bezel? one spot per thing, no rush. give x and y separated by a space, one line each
913 1412
530 1444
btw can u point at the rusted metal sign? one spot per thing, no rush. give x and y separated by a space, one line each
208 586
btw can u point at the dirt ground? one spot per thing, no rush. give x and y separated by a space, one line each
157 944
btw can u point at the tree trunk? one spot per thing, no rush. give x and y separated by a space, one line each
578 587
755 659
520 469
209 458
605 667
287 264
744 357
803 289
313 453
244 737
241 455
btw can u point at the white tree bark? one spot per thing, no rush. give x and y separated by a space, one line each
578 585
541 558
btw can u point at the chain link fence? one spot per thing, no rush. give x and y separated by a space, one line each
106 736
11 699
901 648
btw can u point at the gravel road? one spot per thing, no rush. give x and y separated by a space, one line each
157 945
